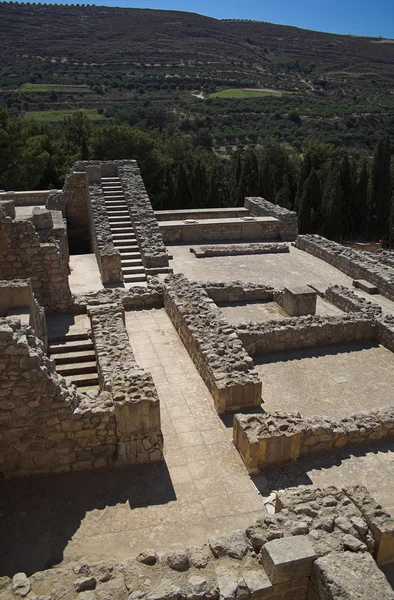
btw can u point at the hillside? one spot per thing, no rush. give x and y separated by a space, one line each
112 62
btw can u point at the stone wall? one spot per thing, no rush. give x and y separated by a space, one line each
45 425
358 265
30 198
237 250
107 255
261 228
288 219
305 332
276 438
237 291
23 256
135 297
290 555
150 240
76 206
348 301
135 399
213 345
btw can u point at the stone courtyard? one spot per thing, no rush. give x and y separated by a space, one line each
189 421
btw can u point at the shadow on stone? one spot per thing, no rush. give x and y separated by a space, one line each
40 514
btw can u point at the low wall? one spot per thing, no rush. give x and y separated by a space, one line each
30 198
262 228
108 256
213 345
305 332
200 213
135 399
237 250
136 297
358 265
153 251
23 256
270 439
288 219
237 291
348 301
273 558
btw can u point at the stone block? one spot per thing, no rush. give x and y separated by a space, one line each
299 301
7 208
42 218
288 558
364 285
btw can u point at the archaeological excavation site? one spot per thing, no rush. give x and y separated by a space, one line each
194 404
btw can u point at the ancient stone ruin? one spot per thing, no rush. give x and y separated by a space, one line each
176 428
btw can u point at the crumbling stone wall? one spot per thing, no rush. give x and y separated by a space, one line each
348 301
136 297
135 399
108 256
237 250
75 205
237 291
23 256
153 251
275 438
306 332
359 265
259 207
290 555
45 425
217 353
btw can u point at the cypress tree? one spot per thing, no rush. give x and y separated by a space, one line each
381 188
361 216
310 207
182 194
283 196
333 204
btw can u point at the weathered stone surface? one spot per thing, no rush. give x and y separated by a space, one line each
288 219
237 250
148 557
288 558
85 583
346 576
21 584
178 560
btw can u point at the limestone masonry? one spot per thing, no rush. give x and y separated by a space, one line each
162 418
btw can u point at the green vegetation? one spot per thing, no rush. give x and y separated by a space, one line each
44 88
244 94
57 116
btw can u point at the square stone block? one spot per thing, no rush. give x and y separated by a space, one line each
42 218
299 300
288 558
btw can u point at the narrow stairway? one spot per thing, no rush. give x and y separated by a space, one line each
75 359
123 231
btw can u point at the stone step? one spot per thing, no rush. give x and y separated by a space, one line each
84 380
133 270
130 262
134 278
70 337
122 220
120 210
77 369
125 255
113 197
122 247
125 229
75 346
364 285
71 357
124 237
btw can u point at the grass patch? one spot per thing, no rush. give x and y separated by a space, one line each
244 94
46 88
56 116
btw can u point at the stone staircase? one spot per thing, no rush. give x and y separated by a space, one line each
123 231
75 360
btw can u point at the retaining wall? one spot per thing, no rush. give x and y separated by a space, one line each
260 207
213 345
237 291
358 265
239 250
30 198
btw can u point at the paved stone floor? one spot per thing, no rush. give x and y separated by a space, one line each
304 380
201 489
372 466
85 274
260 312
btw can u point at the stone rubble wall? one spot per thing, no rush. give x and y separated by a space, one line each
23 256
386 258
75 202
237 250
358 265
135 297
259 207
30 198
348 301
150 240
108 256
46 426
306 332
275 438
135 399
213 345
237 291
283 556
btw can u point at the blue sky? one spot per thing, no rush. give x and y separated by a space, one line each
359 17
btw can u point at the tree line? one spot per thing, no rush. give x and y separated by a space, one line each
337 193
